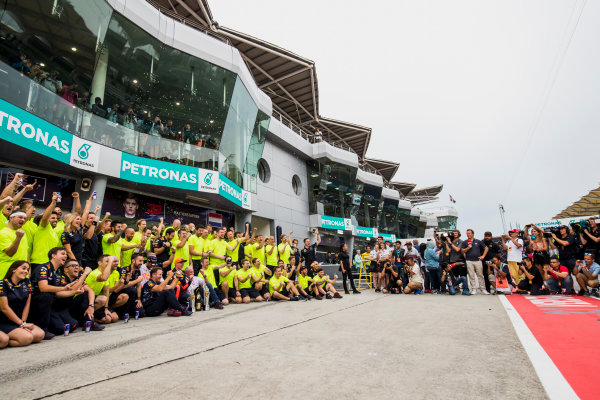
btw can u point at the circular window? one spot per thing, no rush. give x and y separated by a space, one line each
297 185
264 171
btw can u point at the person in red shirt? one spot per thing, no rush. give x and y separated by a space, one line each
557 277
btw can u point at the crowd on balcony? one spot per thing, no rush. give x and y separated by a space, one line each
58 104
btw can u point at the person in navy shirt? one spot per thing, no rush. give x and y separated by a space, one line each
15 300
474 251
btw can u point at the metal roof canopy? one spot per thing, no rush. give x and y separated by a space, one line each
424 195
587 205
387 169
403 187
289 79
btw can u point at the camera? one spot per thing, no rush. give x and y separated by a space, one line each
152 261
580 226
228 260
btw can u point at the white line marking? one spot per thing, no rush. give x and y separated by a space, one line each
554 382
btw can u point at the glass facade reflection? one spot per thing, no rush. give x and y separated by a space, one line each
403 221
331 187
154 100
388 216
366 213
447 223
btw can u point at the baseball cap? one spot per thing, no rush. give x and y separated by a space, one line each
179 260
513 231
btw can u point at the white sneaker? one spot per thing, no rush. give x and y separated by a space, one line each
485 292
473 292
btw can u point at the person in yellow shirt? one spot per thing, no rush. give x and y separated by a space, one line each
141 229
284 248
324 285
197 243
29 226
209 232
260 278
233 245
44 238
111 241
305 284
129 245
207 273
182 249
281 288
226 279
176 227
97 281
271 254
243 285
217 251
257 250
13 242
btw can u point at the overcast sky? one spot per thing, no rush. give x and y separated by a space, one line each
454 91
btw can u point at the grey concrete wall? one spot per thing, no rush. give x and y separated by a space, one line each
276 199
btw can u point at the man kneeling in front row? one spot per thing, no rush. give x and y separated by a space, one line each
158 296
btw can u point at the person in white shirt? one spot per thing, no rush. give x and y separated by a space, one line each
514 253
415 278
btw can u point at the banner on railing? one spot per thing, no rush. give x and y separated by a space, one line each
33 133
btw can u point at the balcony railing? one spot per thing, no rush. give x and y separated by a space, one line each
124 133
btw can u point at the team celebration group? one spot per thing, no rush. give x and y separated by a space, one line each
61 272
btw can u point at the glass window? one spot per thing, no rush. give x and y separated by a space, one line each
331 187
296 185
388 216
264 172
367 212
153 100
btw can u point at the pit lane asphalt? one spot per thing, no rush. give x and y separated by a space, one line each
362 346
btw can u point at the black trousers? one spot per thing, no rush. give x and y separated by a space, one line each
348 275
197 266
163 300
70 312
486 275
41 305
534 288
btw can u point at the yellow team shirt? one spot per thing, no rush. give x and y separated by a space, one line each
59 229
242 274
275 282
218 248
113 278
321 281
198 243
112 249
303 281
284 251
234 254
127 254
92 281
7 237
29 228
44 240
228 278
210 275
258 253
271 258
183 252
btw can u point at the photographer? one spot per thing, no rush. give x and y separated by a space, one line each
590 237
514 253
533 280
587 275
452 281
493 250
415 284
567 247
393 278
500 278
557 277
